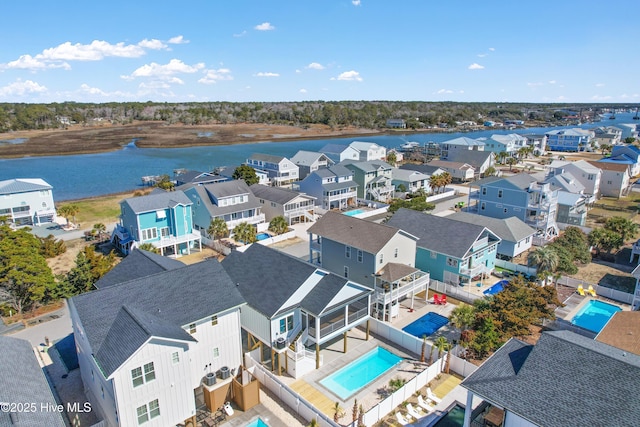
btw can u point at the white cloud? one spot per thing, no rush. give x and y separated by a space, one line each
355 2
153 44
213 76
244 33
349 76
261 74
97 50
599 84
27 62
602 98
178 40
166 71
476 66
265 26
444 91
20 87
315 66
303 91
482 55
492 49
552 82
85 88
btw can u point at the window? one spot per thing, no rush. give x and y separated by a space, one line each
290 323
505 210
346 271
381 258
395 253
347 251
136 377
499 193
192 328
452 262
154 409
434 254
286 323
143 415
149 372
149 233
175 357
360 255
164 232
484 191
216 352
482 206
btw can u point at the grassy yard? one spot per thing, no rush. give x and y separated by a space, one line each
104 209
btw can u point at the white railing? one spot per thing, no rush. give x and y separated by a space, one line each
416 286
518 268
176 240
462 293
251 220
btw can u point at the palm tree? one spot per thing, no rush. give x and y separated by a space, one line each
511 161
435 182
218 228
625 227
245 233
490 171
392 158
442 344
354 411
67 211
545 259
338 412
278 225
501 156
149 248
462 317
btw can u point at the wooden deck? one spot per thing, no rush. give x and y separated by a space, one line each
314 396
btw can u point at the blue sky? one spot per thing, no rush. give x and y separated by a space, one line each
260 50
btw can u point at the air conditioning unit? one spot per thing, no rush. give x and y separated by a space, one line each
209 379
280 343
224 372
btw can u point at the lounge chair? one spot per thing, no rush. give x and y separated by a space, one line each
416 413
580 290
432 397
402 420
443 299
436 299
425 405
591 291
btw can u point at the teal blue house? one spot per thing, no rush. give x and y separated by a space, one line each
451 251
163 219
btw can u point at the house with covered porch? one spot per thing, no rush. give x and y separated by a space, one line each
163 219
451 251
333 187
293 307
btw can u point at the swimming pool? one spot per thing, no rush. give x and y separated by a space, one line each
353 212
356 375
257 423
426 325
497 287
453 418
262 236
595 315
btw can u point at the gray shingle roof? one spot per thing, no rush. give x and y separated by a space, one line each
435 233
23 382
367 166
13 186
510 229
307 158
137 264
224 189
156 201
520 181
425 169
565 379
472 157
369 236
270 158
177 297
277 195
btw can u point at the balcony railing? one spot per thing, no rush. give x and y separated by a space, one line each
256 219
176 240
473 271
387 296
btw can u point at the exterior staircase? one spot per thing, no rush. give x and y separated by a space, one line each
292 345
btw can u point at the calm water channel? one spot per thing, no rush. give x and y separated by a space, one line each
87 175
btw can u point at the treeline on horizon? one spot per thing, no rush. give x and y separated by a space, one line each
364 114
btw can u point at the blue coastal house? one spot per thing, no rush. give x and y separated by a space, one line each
572 140
451 251
163 219
625 155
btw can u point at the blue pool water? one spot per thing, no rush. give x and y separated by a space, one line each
262 236
595 315
497 287
426 325
362 371
354 212
257 423
453 418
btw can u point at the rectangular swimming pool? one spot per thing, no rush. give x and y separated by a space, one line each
595 315
426 325
353 212
257 423
356 375
453 418
497 287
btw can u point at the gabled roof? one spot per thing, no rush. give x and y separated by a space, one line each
156 304
618 167
368 236
364 145
269 158
336 148
23 382
366 166
425 169
439 234
408 175
509 138
197 177
137 264
274 282
570 132
511 229
308 158
23 185
565 181
335 170
449 164
277 195
205 193
157 201
471 157
521 181
463 140
565 379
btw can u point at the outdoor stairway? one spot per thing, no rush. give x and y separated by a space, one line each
292 346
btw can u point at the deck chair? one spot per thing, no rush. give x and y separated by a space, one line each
432 397
436 299
401 419
425 405
443 299
591 291
416 413
580 290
